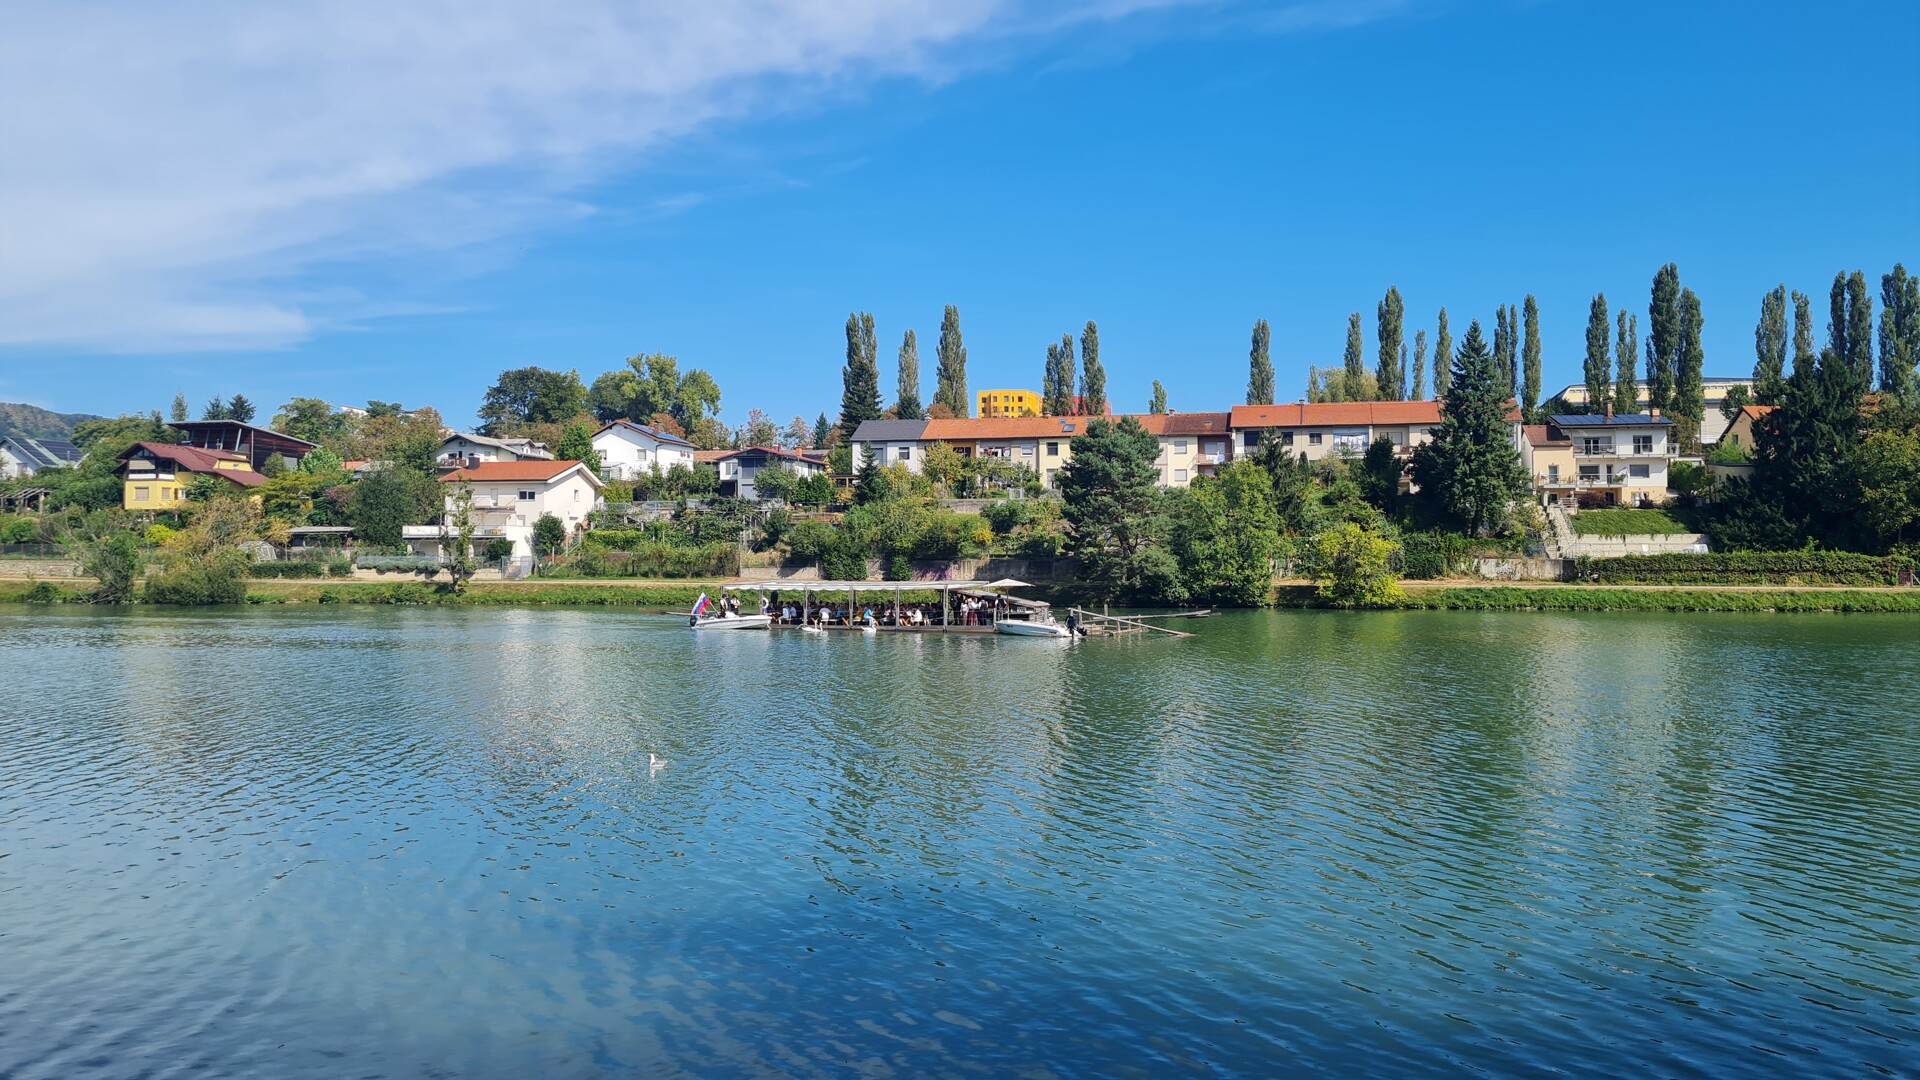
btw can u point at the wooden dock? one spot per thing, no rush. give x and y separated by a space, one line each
1098 624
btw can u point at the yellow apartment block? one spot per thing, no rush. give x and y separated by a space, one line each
1007 403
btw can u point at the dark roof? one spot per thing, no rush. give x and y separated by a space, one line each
1603 420
274 441
769 451
37 454
889 430
193 459
652 433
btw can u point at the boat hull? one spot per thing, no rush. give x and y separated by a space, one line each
1017 628
735 622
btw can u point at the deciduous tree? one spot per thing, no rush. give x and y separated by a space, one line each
1442 359
1390 372
1419 392
1353 363
1899 332
1626 359
577 445
1770 348
1093 377
951 375
1057 388
1260 366
1530 357
1157 404
1689 385
907 391
1597 370
531 395
1663 337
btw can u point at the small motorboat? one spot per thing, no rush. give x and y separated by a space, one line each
1046 628
731 622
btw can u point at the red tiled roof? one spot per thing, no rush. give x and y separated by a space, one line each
1755 412
505 471
1006 427
1337 414
193 459
1194 423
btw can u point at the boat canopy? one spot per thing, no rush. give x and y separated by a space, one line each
853 586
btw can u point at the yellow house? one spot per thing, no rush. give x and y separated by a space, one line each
155 476
1740 431
997 403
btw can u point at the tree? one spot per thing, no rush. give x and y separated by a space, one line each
1736 398
310 419
1502 340
1379 475
1352 362
239 408
1110 496
1770 348
1056 382
322 462
1391 372
1689 387
531 395
1442 359
1803 354
179 412
456 538
1419 390
951 375
823 433
1470 470
1663 337
549 535
1157 404
1530 357
215 410
1850 328
1353 565
860 379
577 445
1899 331
1597 370
112 563
388 500
378 409
907 385
797 434
1228 536
1093 377
1803 457
1626 357
1887 475
1260 366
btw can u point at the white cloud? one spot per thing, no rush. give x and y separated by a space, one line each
171 170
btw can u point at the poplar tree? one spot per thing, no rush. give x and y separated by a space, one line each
1093 377
1663 337
1355 369
1803 355
907 404
1419 366
1500 345
951 375
1056 387
1260 366
1626 357
1390 373
1899 331
1597 371
1850 331
1442 359
1157 405
1530 358
1689 385
860 379
1770 348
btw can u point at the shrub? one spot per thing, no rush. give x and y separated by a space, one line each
845 560
1746 568
216 580
899 568
499 548
1425 556
340 567
1352 566
657 560
810 540
158 534
18 531
42 592
112 563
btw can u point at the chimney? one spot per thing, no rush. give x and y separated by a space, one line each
1656 412
1609 410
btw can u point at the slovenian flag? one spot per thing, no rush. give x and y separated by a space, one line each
700 607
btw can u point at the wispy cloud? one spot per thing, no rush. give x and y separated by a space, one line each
173 171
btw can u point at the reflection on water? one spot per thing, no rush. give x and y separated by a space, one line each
360 843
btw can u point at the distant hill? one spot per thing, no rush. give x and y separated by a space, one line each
37 423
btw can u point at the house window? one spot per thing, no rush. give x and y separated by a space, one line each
1313 439
1053 449
1594 445
1643 444
1179 446
1286 438
1250 439
906 453
528 496
1179 476
141 494
1553 474
1640 472
576 494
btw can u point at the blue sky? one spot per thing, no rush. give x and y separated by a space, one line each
306 202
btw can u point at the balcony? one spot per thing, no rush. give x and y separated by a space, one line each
1626 452
1210 459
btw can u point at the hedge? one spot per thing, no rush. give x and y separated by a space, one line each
302 568
656 560
1745 568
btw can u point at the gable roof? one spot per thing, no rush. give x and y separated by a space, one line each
39 454
891 430
1336 414
501 472
193 459
652 433
1546 435
1601 420
1193 423
523 447
1755 412
770 451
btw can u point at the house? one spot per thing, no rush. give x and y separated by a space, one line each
738 467
461 450
628 450
509 497
997 403
1740 431
1713 425
21 456
1618 460
1547 453
1192 445
890 442
156 476
1336 428
256 444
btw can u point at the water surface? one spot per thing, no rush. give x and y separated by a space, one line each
399 843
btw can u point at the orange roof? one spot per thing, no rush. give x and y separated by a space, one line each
1337 414
708 457
505 471
1192 423
1755 412
1007 427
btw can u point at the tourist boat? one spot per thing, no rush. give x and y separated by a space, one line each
1032 628
733 622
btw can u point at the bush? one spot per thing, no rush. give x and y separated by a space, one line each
1425 556
340 567
809 541
845 560
19 531
42 592
1352 567
112 563
214 581
292 568
500 548
1746 568
899 568
657 560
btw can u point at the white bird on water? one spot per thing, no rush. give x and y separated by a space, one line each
655 762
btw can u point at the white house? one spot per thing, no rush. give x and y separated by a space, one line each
21 456
628 450
461 450
509 497
1622 459
738 467
891 442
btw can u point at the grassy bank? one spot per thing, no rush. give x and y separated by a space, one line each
1588 598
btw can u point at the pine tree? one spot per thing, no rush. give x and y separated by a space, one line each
951 388
1355 368
1093 377
1663 337
215 410
1530 357
1770 348
1260 366
1442 360
1689 386
1626 357
1389 373
1597 371
860 379
1471 470
1899 331
823 432
179 413
239 408
907 403
1419 366
1157 405
1803 354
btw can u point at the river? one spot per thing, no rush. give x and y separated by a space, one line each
341 841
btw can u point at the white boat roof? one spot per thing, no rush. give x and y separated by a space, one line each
846 586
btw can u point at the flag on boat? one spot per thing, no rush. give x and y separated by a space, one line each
700 606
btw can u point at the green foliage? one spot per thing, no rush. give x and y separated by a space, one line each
1110 505
1379 476
1746 568
678 482
845 559
1352 360
273 466
1726 453
1157 403
577 445
906 404
1899 332
311 419
217 577
1391 373
1886 478
549 533
1703 600
112 562
1093 376
323 462
1626 358
499 548
1689 482
1057 383
1226 533
1627 523
1260 365
809 541
1735 399
653 385
1353 567
1470 472
531 395
1505 329
860 379
1428 555
1596 371
1770 348
206 488
951 375
1530 357
1689 393
1419 389
22 530
899 568
388 499
1663 337
657 560
1442 358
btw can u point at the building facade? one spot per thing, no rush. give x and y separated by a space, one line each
156 476
1330 429
1005 403
1713 424
21 456
510 497
1618 460
628 450
737 468
461 451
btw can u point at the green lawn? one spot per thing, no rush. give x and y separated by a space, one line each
1627 523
